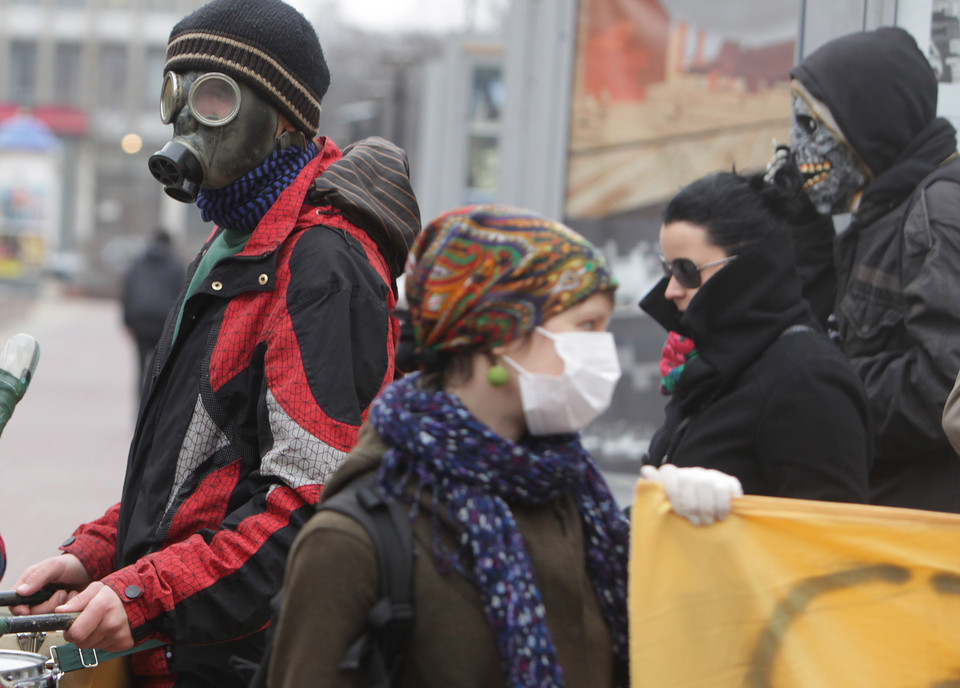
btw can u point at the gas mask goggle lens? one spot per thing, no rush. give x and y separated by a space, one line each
214 98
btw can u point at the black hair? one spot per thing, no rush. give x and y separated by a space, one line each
735 210
438 367
441 369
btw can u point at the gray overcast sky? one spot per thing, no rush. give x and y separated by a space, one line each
385 15
757 22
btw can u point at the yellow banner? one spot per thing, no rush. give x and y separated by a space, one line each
794 594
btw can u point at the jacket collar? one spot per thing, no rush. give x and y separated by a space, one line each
279 222
741 309
933 147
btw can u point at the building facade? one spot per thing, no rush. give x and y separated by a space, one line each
91 71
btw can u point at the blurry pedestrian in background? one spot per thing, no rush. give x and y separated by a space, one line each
520 578
150 288
758 390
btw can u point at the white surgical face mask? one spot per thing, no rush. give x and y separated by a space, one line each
564 403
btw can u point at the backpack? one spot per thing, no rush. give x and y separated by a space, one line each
380 649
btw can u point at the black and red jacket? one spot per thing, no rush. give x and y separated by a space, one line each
279 353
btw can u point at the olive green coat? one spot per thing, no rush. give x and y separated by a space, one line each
331 582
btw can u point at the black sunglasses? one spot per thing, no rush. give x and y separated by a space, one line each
686 271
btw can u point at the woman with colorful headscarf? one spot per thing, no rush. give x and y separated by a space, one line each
520 578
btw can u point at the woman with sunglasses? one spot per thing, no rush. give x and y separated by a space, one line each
520 578
758 391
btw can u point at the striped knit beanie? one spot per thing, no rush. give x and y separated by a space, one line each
482 276
266 44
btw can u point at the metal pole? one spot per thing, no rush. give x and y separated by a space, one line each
471 15
801 30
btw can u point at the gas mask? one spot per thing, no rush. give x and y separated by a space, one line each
832 172
221 130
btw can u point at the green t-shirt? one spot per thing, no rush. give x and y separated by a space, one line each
228 243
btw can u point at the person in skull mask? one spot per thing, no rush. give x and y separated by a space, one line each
866 140
280 339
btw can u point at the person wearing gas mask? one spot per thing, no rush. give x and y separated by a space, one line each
866 139
520 578
281 338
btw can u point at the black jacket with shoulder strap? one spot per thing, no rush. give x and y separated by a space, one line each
899 317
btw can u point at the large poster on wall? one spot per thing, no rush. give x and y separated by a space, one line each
665 91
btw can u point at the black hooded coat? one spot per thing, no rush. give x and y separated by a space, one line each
769 399
898 264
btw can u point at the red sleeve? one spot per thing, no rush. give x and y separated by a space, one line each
329 350
95 544
217 571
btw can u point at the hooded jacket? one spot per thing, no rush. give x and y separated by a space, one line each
250 409
897 278
769 398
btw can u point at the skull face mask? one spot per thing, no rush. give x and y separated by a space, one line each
221 130
832 173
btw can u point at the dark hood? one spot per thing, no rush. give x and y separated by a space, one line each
931 148
370 185
879 88
740 310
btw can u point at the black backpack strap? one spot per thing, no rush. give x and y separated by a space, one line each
254 674
388 621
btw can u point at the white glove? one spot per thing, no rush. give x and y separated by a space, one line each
700 495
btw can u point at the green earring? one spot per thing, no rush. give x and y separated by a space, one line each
497 376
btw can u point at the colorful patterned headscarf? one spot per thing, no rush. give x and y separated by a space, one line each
483 276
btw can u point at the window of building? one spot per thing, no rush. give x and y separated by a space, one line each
486 96
68 71
23 71
483 170
112 75
484 123
153 77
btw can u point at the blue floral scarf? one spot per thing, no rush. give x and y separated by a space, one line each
241 204
474 475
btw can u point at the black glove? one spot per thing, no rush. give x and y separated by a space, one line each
782 172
